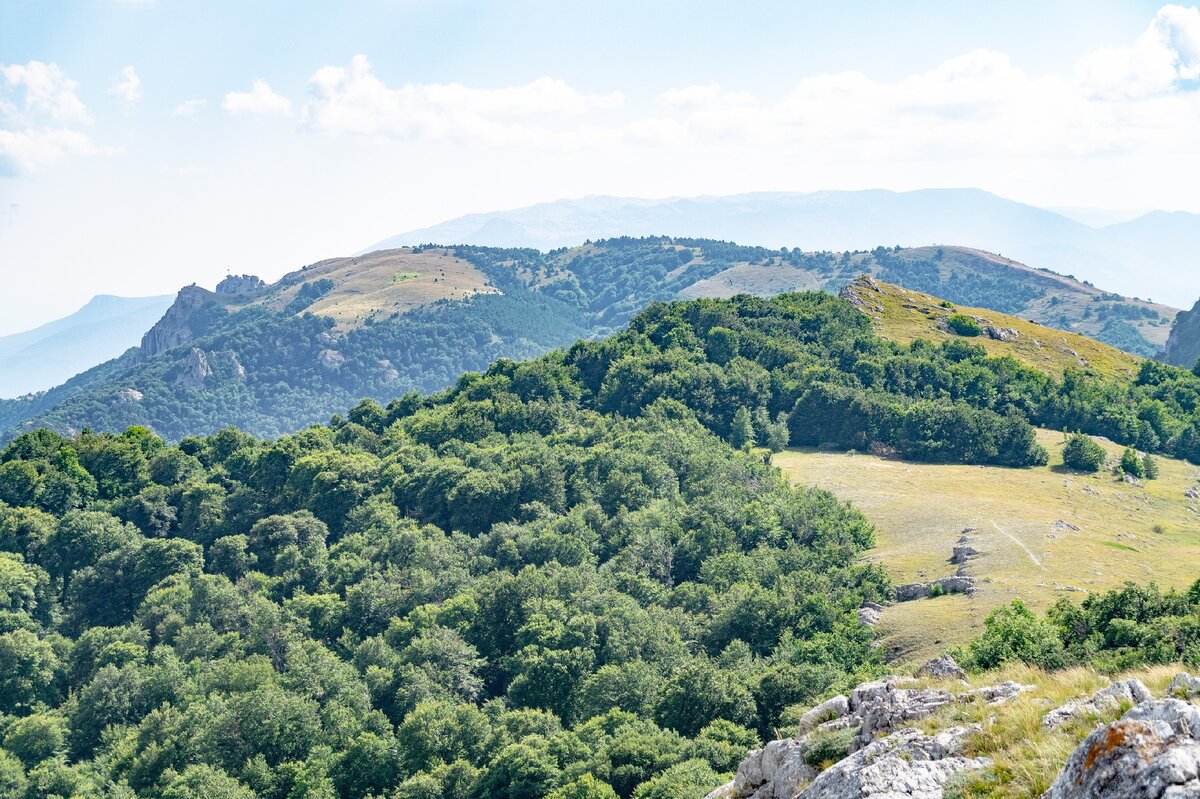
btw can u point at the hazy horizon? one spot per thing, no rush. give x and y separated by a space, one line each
134 158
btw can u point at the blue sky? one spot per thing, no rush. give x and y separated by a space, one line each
145 144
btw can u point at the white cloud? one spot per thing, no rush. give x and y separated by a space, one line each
47 94
1164 58
189 108
128 90
41 118
353 101
261 99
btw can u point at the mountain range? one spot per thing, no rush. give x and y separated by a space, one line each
37 359
1151 256
275 358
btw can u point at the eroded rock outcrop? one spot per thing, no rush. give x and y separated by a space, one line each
885 757
196 370
905 765
233 285
1130 692
174 329
1152 752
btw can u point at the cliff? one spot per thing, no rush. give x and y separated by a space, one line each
1183 346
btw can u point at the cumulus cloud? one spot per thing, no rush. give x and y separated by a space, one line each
261 99
189 108
41 118
1163 59
354 101
128 90
37 90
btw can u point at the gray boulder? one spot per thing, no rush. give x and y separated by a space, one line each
1152 752
1108 698
1184 685
943 668
774 772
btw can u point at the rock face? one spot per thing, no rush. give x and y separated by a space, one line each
173 329
1183 347
241 284
196 370
1108 698
1152 752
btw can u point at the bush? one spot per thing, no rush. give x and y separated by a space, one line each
964 325
1083 454
1132 464
825 747
1150 465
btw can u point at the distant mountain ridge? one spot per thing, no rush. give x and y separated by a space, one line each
1152 256
52 353
274 358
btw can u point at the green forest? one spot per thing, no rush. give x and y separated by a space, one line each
576 576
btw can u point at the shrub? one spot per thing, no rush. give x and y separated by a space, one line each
1150 465
1131 464
825 747
964 325
1083 454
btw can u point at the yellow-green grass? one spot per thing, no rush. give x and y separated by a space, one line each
1027 756
1126 532
904 316
383 283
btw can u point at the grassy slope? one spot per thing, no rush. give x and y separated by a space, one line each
1127 532
1066 298
380 284
902 315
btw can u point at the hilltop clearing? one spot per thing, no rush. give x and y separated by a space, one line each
1039 533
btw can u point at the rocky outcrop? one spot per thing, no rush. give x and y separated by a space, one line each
958 584
870 613
1129 692
1184 686
943 668
885 757
906 764
1152 752
241 284
1183 345
196 370
127 395
174 329
331 359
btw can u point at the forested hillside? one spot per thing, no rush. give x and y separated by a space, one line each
272 359
563 576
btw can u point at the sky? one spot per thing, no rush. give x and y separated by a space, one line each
148 144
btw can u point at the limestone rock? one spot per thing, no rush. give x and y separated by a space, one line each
233 285
827 711
1184 685
883 706
908 764
995 694
331 359
943 668
963 553
774 772
1107 698
196 370
127 395
173 329
869 614
1152 752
